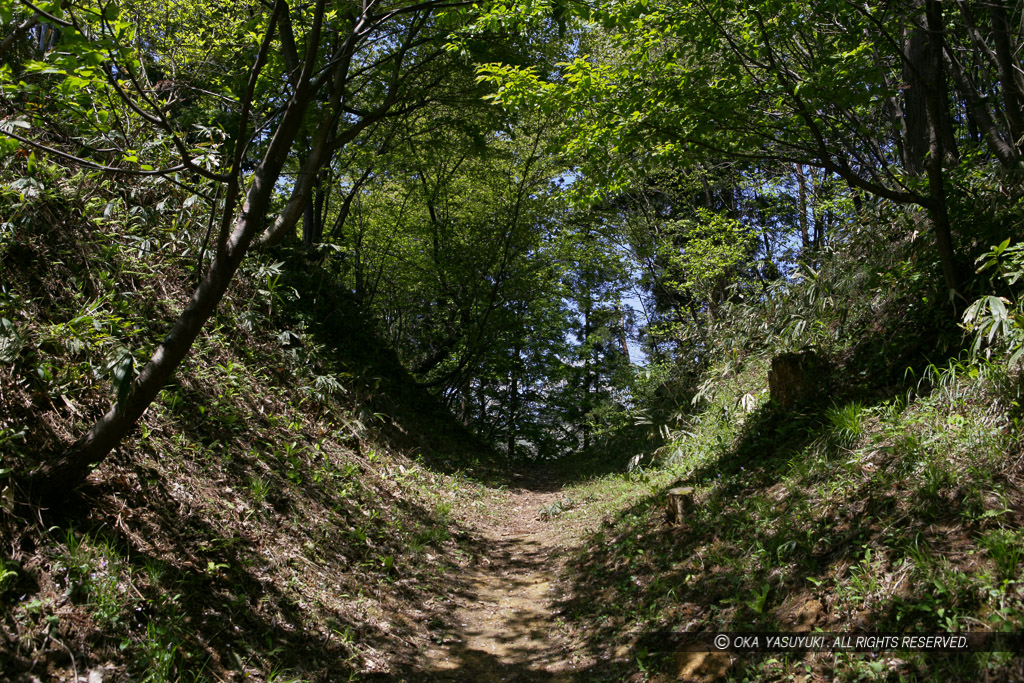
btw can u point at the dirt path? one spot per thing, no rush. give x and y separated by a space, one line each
505 622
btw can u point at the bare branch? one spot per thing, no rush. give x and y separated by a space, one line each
91 164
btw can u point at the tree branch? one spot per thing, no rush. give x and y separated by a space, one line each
22 28
91 164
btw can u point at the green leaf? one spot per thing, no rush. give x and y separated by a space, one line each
998 308
124 373
11 341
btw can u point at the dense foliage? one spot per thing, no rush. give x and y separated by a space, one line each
584 228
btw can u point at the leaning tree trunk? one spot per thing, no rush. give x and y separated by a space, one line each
56 477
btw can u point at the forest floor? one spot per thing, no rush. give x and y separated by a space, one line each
504 623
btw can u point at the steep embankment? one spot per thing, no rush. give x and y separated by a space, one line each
292 506
272 515
901 514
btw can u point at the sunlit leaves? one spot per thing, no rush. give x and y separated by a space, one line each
516 86
994 319
766 79
198 35
703 251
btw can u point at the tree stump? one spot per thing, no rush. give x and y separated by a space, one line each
794 377
680 502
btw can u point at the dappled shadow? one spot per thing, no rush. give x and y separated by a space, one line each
503 626
286 551
219 592
767 547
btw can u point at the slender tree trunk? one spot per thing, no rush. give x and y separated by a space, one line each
894 108
981 118
925 77
1010 76
513 404
937 155
801 182
309 221
324 142
358 266
55 478
313 216
481 402
822 198
302 190
623 343
915 108
587 375
938 95
346 204
322 195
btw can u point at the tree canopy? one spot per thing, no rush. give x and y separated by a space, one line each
522 196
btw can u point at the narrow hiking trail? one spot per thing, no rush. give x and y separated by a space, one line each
505 621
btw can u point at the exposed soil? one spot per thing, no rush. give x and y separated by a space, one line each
505 625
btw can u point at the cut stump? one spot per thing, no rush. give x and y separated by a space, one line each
680 503
795 377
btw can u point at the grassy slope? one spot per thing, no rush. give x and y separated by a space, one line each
291 505
272 516
891 515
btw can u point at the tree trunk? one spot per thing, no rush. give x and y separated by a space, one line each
55 478
801 181
915 108
313 217
324 142
302 190
822 199
980 115
925 78
587 377
309 220
1010 76
513 405
346 205
937 154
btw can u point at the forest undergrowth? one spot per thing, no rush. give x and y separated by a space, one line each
294 296
282 512
889 500
295 508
